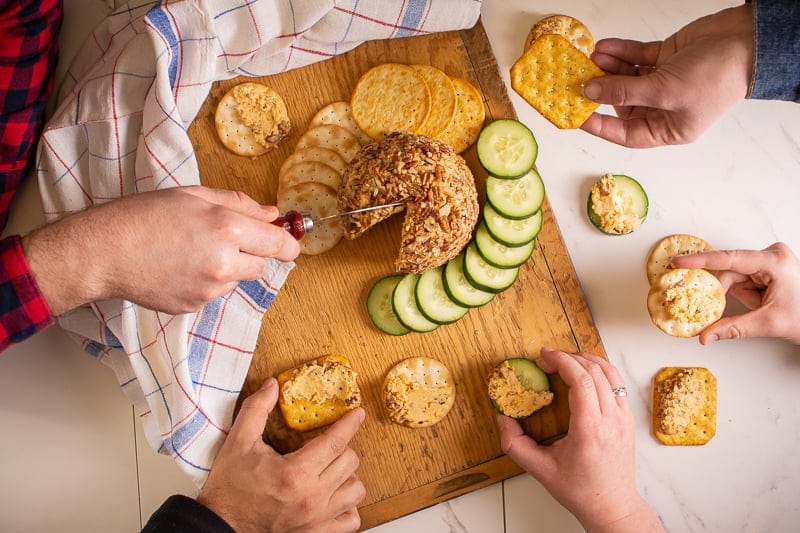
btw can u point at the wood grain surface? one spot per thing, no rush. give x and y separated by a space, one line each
321 308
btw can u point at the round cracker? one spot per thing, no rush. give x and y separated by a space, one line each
568 27
314 153
251 119
338 113
333 137
468 119
443 97
318 200
660 258
418 392
684 301
390 97
310 171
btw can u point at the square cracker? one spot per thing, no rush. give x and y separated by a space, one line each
697 402
550 76
307 408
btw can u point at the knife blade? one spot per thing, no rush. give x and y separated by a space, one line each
298 224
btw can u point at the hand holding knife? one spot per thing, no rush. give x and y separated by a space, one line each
298 224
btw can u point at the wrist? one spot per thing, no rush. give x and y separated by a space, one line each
59 258
635 515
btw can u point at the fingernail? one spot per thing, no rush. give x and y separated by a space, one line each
362 415
591 90
269 383
713 338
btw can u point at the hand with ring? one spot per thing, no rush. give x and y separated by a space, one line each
591 470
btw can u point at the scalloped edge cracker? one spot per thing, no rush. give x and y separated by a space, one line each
318 200
568 27
313 171
660 258
550 76
702 424
309 411
332 137
251 119
418 379
682 302
338 113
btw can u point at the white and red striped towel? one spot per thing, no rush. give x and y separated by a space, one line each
121 128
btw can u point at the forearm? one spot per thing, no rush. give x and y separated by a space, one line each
63 258
776 49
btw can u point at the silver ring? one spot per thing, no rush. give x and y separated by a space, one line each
620 392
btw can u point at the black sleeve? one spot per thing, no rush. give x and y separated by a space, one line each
183 514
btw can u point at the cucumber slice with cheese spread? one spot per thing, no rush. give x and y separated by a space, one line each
433 301
509 231
458 287
507 148
379 306
529 374
624 209
404 304
506 380
516 198
498 254
484 276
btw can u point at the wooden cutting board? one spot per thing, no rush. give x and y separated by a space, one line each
321 308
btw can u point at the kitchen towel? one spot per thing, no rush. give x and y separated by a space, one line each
121 128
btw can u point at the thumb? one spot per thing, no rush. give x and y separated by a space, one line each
521 448
743 326
252 417
618 90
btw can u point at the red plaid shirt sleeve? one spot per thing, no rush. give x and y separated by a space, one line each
28 55
23 311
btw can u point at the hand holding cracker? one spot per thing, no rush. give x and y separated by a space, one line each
670 92
591 470
767 282
253 488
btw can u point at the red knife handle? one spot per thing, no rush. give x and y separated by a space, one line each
293 222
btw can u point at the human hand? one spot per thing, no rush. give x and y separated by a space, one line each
591 470
172 250
253 488
670 92
767 282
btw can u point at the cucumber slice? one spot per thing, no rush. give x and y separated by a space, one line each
458 287
433 300
500 255
518 198
509 231
404 304
379 306
634 204
529 376
484 276
507 148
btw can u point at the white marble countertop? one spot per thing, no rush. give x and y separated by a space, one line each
77 463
